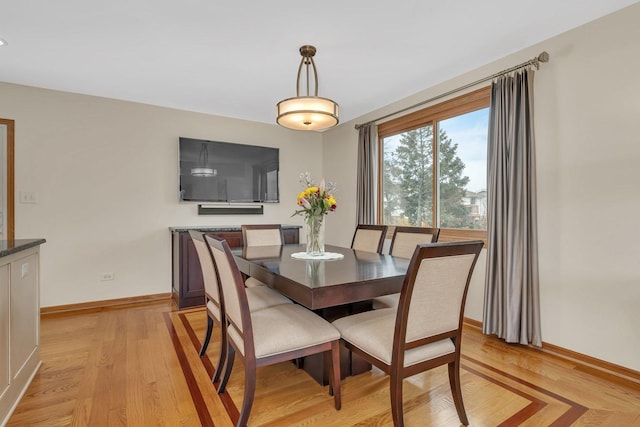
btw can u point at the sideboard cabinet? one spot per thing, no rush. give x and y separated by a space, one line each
187 285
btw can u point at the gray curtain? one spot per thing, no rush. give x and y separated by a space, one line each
367 173
512 302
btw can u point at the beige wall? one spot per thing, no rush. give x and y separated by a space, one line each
587 108
106 177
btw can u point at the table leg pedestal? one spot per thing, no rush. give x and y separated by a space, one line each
317 365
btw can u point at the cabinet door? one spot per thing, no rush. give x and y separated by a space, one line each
194 286
233 238
24 311
4 329
291 235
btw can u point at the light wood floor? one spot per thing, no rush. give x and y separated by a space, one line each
139 366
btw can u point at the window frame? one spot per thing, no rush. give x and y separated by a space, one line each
431 115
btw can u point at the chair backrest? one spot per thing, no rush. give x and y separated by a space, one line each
211 286
236 306
262 234
261 252
405 240
433 294
369 238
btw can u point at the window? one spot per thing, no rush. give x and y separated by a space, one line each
450 191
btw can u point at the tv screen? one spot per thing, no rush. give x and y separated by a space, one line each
214 171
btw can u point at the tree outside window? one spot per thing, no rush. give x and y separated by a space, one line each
457 197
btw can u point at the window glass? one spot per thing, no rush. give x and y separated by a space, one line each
462 170
408 185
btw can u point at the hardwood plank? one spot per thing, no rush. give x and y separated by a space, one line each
139 365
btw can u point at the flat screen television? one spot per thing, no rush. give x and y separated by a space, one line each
215 171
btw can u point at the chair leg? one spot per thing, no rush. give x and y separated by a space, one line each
395 390
228 365
335 374
249 392
456 391
207 336
222 357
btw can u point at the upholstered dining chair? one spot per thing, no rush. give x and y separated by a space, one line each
403 245
261 252
405 240
369 238
215 311
268 336
259 298
261 235
425 330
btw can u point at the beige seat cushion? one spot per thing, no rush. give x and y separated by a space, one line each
372 331
261 297
252 282
285 328
386 301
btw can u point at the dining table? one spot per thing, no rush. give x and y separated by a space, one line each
332 288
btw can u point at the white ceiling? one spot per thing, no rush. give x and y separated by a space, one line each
239 58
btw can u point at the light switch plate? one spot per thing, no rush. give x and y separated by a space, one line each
25 269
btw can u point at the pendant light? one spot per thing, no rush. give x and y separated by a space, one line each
203 169
307 112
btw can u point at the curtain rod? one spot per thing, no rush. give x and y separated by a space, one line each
543 57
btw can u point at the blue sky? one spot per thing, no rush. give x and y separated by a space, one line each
469 131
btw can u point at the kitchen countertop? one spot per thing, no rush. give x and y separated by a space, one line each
8 247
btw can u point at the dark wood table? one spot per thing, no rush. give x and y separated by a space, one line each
318 284
332 288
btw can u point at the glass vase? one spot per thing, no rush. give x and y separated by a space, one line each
315 236
315 272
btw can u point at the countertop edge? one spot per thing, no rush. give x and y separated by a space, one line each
20 245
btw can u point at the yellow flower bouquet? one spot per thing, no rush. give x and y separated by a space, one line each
315 202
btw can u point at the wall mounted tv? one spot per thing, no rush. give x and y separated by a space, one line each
214 171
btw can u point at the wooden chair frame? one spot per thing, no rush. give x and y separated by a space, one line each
251 362
396 369
435 233
381 228
198 236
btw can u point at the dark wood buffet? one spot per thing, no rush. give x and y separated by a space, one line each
186 280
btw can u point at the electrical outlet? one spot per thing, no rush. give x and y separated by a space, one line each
107 276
